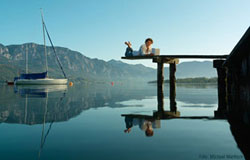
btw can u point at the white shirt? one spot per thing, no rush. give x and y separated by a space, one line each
142 51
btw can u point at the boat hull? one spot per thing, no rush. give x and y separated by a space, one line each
46 81
10 83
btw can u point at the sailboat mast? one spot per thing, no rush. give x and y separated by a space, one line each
44 42
26 60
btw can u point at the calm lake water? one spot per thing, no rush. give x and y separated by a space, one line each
85 122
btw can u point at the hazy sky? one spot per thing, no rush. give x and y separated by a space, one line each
98 28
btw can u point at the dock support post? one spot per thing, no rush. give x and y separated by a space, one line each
160 81
172 85
222 92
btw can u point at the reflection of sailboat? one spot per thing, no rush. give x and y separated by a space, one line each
38 91
41 92
43 137
30 91
41 78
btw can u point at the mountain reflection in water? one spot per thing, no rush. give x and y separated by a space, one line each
28 101
79 133
14 108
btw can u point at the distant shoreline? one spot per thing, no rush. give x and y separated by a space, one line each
196 80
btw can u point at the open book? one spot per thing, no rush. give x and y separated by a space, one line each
156 51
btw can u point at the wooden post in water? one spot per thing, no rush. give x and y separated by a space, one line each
160 81
222 78
160 84
172 85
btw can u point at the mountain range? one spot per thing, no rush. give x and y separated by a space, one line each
81 68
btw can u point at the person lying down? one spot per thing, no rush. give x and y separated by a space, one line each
145 49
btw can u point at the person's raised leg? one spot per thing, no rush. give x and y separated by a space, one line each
129 50
128 44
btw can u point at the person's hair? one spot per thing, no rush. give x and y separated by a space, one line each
149 133
149 39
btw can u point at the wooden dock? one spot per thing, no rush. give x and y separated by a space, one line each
178 57
172 60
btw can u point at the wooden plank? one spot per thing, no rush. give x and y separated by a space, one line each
166 114
222 79
155 116
172 85
165 60
138 57
160 81
179 56
218 63
196 56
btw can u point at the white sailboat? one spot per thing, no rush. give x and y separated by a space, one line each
41 78
44 81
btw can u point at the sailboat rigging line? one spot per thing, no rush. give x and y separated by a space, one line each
54 50
45 137
44 42
44 121
50 126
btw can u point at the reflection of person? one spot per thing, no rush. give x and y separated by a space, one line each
145 49
145 125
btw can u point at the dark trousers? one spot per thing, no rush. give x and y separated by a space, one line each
129 52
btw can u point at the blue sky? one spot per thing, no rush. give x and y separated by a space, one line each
98 28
